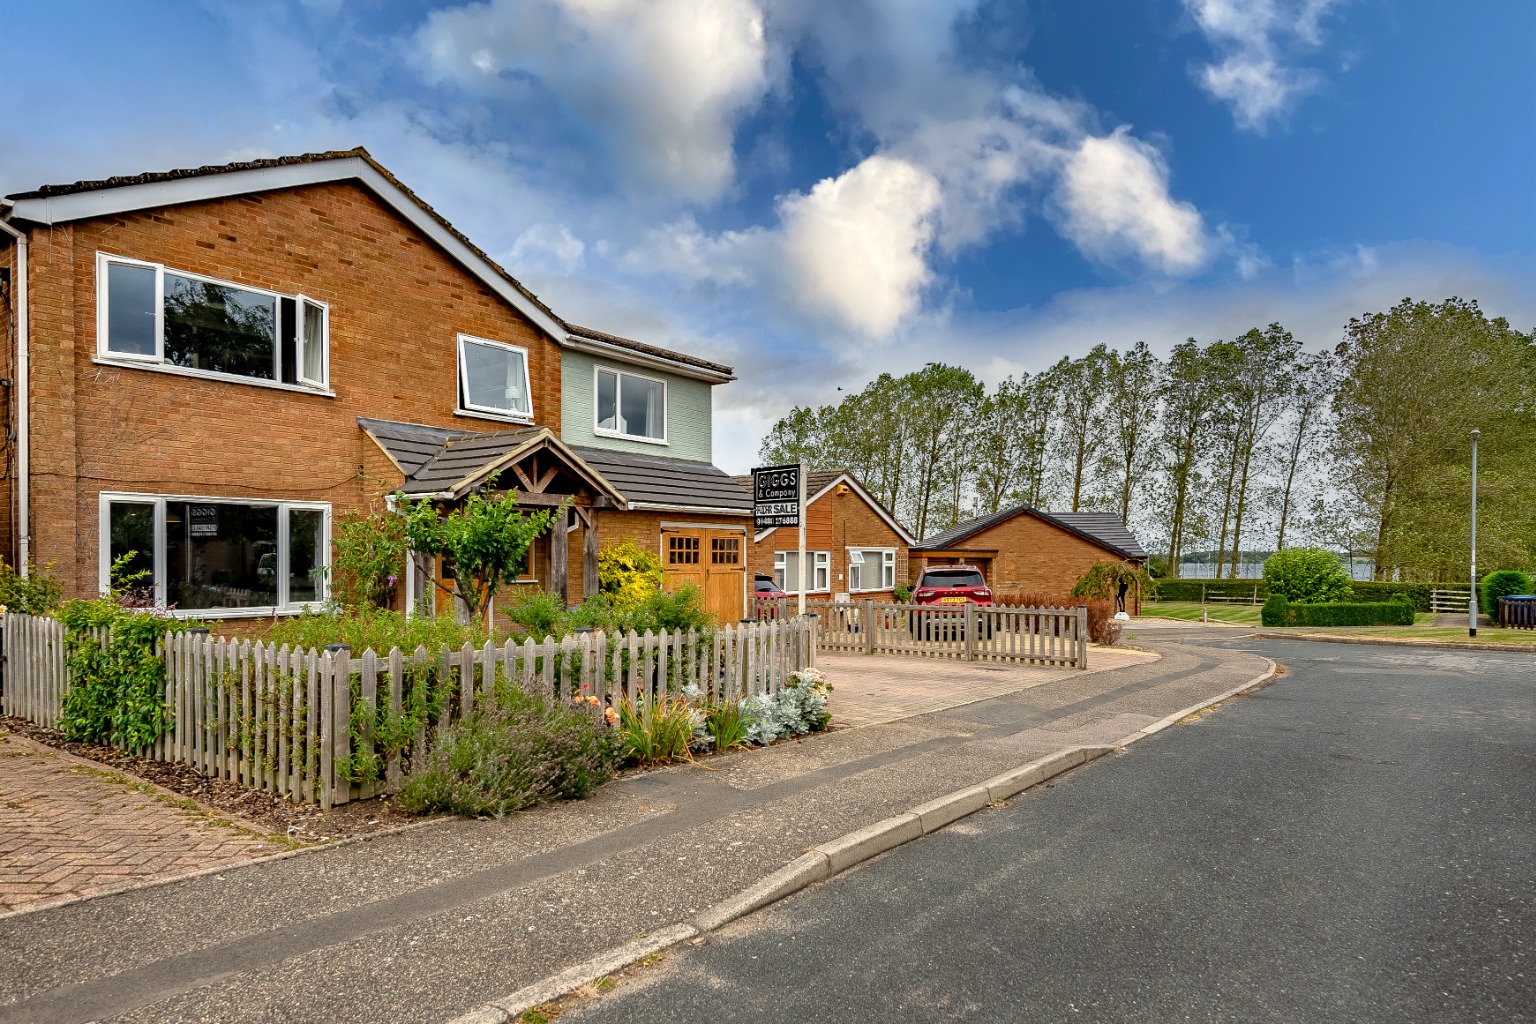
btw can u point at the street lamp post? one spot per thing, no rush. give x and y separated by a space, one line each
1472 600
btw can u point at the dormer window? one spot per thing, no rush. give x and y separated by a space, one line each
153 316
631 406
493 379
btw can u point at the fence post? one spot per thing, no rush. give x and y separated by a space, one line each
970 631
1082 636
867 626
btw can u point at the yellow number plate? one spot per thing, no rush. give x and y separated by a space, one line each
951 600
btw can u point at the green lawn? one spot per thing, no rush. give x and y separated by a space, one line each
1241 614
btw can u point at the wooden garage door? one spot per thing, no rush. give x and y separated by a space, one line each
711 560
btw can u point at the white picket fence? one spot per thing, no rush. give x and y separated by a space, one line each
327 727
998 633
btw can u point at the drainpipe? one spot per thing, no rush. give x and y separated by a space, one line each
23 405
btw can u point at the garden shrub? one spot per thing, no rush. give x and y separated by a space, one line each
628 574
1365 591
1280 612
368 560
512 751
1103 628
1312 575
117 690
1499 584
36 593
377 628
650 731
541 613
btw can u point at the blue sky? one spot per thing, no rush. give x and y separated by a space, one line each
819 192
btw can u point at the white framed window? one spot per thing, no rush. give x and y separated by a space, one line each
151 315
629 405
871 569
493 379
219 557
818 576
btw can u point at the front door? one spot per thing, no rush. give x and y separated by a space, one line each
711 560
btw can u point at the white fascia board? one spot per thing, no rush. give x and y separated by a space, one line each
655 506
619 353
200 188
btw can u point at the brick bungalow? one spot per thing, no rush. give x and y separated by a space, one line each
1023 550
854 546
208 366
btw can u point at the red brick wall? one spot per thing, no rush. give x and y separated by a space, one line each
8 451
397 304
1033 556
834 523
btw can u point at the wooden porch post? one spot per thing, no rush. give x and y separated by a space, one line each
558 556
589 555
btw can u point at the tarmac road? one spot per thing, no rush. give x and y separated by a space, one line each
1354 842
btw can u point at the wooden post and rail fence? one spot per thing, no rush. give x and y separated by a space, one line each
327 726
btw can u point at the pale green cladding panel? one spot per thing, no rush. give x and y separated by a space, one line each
689 433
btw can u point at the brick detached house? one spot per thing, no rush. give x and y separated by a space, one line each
208 366
1023 550
854 547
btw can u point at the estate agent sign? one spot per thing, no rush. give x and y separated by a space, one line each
775 497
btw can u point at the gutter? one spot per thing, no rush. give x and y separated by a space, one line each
23 405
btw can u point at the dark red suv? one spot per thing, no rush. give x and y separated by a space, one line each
949 588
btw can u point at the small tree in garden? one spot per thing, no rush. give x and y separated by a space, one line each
486 540
1111 580
370 556
1310 575
629 574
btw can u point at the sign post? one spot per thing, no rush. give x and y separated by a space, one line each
778 500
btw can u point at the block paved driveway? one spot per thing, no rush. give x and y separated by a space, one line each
870 689
69 827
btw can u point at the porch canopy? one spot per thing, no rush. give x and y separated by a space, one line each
449 465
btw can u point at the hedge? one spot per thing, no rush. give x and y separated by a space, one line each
1363 591
1280 612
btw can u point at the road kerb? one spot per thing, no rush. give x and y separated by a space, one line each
935 814
572 978
791 878
1178 716
818 864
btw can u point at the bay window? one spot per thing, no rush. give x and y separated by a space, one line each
218 557
818 572
493 379
151 315
631 406
871 568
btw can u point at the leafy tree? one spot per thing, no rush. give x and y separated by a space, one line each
1079 385
1312 388
1111 580
1188 402
486 539
1306 574
1414 381
368 560
1132 408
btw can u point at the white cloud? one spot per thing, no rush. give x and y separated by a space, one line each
546 245
1113 202
666 80
1252 38
855 247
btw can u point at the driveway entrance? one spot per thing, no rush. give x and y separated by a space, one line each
869 689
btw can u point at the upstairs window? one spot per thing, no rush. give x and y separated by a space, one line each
493 379
153 315
632 406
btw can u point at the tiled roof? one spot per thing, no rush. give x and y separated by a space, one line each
410 445
463 458
1101 527
659 480
1104 527
153 177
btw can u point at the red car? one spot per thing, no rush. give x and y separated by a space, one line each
949 588
766 591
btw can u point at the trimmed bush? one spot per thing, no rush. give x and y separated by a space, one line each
1499 584
512 751
1306 574
1280 612
1361 591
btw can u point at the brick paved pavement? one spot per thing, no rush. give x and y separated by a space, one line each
69 827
